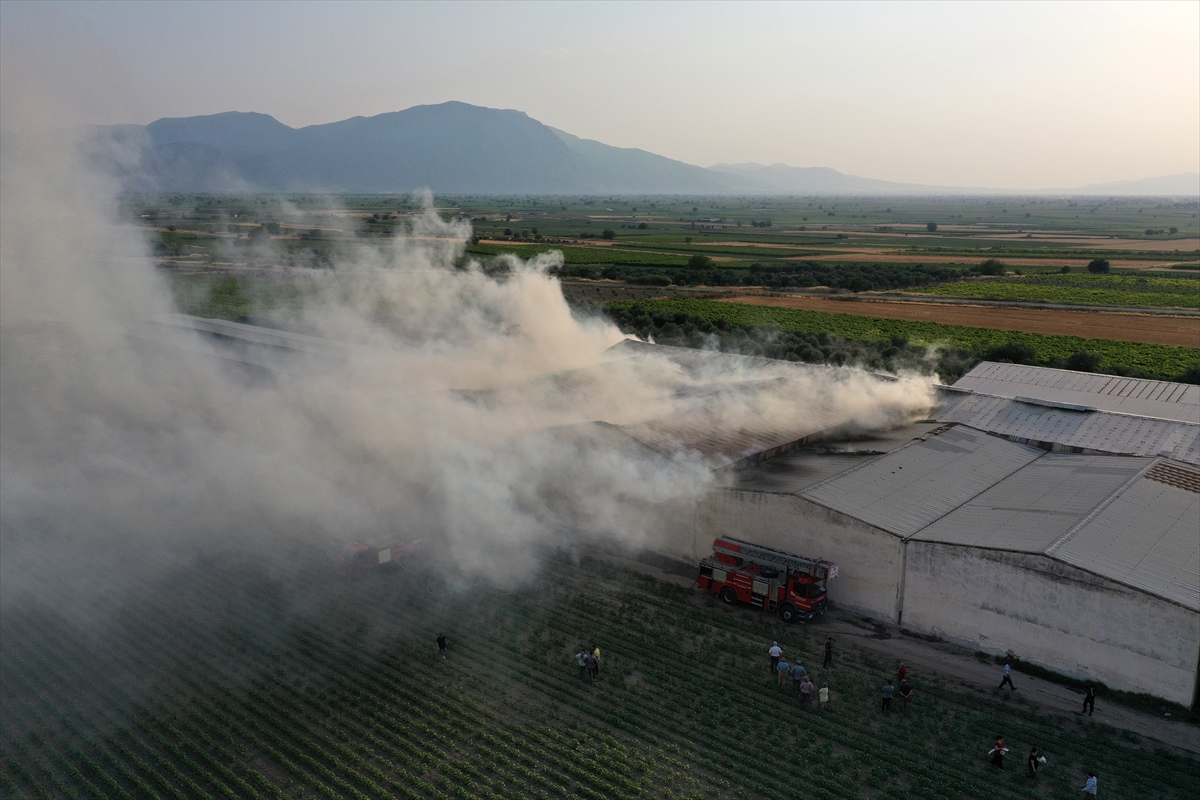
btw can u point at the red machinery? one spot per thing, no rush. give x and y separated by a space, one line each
357 559
791 585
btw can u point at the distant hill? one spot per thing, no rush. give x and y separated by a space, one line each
823 180
456 148
1185 183
451 147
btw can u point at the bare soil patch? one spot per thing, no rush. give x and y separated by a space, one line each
1122 326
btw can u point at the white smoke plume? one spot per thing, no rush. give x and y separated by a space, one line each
128 444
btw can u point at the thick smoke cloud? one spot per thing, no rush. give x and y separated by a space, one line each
130 445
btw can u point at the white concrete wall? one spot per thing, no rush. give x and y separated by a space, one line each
868 558
1053 615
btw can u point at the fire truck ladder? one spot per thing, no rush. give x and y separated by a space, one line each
759 554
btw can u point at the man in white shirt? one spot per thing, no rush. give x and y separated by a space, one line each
1089 788
776 653
1007 678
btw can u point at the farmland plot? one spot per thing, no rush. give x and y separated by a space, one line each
1098 290
228 680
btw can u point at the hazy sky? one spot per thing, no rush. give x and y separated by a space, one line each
1010 95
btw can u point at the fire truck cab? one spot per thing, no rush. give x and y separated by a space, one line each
358 559
790 585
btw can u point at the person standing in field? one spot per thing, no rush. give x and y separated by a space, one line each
888 691
905 691
798 675
1033 763
828 652
806 687
782 670
901 674
1007 678
581 659
823 696
596 654
1089 701
443 645
776 653
1089 788
593 666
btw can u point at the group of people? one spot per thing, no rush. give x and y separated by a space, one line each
899 688
801 682
589 662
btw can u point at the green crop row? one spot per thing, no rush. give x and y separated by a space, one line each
1106 290
1130 357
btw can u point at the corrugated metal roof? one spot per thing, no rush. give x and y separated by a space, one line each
908 489
1148 537
799 469
1095 431
1162 399
1032 508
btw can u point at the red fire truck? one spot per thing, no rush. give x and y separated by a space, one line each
357 559
792 586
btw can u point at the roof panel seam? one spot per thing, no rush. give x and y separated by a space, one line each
1095 512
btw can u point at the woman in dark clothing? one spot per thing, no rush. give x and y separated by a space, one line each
1089 701
1033 763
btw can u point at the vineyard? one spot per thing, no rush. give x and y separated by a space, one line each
233 680
1097 290
1149 359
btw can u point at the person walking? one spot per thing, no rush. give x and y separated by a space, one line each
443 645
1089 788
1007 678
888 691
828 652
823 696
806 687
905 691
997 752
782 671
776 653
581 659
593 666
1089 701
798 676
596 655
1034 762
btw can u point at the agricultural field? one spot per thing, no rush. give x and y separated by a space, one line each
236 678
693 322
1098 290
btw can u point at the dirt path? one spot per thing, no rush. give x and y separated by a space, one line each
1153 329
955 665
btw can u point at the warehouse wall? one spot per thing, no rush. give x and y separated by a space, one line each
1053 615
868 558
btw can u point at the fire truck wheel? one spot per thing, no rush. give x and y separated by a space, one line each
788 613
729 595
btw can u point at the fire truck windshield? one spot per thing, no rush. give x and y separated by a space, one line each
815 589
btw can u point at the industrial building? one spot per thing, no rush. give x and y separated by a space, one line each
1049 513
1044 512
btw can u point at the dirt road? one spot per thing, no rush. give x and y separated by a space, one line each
1126 327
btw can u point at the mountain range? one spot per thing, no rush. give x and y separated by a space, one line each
456 148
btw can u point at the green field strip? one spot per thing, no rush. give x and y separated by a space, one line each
1105 291
355 677
1159 359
